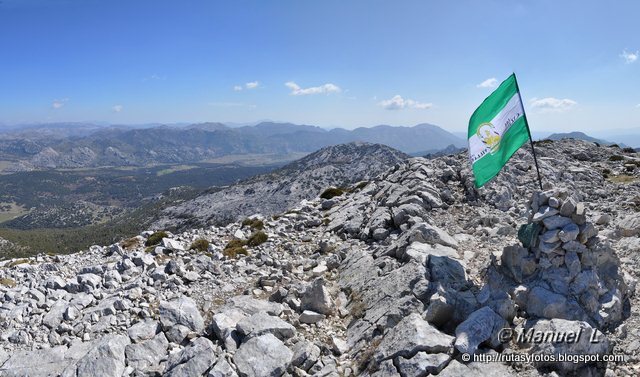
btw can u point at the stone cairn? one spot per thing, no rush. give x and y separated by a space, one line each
564 269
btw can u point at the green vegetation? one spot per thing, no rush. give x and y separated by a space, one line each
361 185
155 238
73 198
332 192
8 282
174 169
200 244
616 157
628 150
255 224
234 248
69 240
9 211
257 238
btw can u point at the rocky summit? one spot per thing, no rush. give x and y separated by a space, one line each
276 192
412 272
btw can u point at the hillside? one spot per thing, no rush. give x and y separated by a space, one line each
275 192
577 136
84 146
409 275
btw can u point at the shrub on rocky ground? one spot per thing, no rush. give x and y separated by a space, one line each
331 192
234 248
257 238
8 282
129 243
200 244
19 261
361 185
155 238
256 224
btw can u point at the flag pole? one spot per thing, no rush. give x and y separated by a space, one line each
533 150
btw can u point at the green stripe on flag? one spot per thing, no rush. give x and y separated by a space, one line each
493 104
497 129
486 168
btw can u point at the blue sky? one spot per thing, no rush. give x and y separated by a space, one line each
328 63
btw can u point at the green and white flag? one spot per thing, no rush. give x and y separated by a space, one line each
497 129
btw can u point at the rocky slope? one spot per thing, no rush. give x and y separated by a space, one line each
276 192
406 276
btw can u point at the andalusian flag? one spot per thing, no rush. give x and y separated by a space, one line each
496 130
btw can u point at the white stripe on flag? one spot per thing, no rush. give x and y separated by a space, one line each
512 111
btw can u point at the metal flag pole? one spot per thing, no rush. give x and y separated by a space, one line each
533 150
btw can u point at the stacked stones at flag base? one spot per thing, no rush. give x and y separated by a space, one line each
565 270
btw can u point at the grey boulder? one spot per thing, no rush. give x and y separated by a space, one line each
181 311
262 356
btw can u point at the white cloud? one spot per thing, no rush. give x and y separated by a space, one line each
488 83
630 57
398 103
117 108
552 104
154 77
327 88
58 103
638 106
248 86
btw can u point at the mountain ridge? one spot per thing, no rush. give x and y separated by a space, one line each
271 193
119 146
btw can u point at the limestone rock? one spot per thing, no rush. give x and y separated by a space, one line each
317 298
630 225
262 356
147 353
483 325
194 360
263 323
181 311
583 345
411 335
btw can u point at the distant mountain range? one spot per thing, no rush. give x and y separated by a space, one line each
74 145
578 136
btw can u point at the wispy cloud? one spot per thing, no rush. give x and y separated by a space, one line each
629 57
248 86
117 108
399 103
327 88
552 104
154 77
638 106
488 83
59 103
